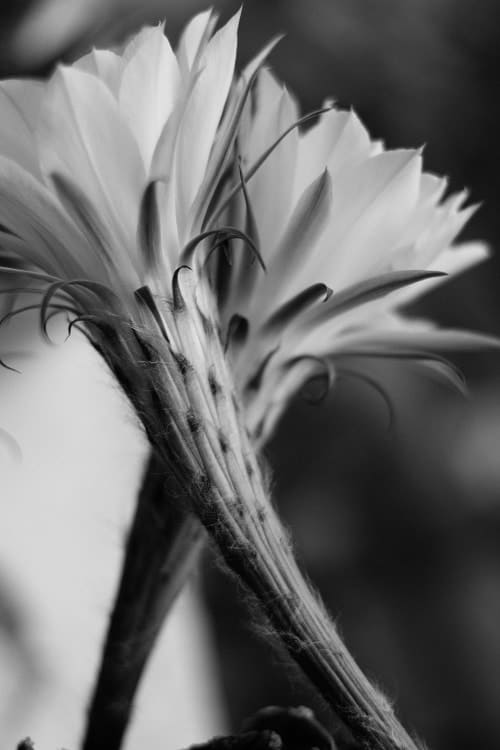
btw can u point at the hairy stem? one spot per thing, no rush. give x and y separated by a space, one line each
264 563
194 419
314 643
163 546
237 511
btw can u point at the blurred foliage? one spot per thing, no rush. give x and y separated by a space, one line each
400 530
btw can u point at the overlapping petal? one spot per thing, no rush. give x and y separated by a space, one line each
149 88
202 115
122 161
220 252
19 107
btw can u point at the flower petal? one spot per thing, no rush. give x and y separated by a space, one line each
203 113
149 89
372 202
194 39
30 211
293 265
104 64
19 107
453 261
457 259
363 293
315 146
352 145
276 111
89 222
82 133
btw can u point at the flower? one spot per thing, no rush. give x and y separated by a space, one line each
194 232
114 172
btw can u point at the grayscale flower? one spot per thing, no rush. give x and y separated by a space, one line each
220 254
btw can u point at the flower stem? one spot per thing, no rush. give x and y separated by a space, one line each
194 419
265 564
163 546
239 515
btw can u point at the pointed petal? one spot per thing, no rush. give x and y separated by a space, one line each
371 205
256 62
149 89
226 139
457 259
194 39
432 188
96 232
453 261
29 210
365 292
82 133
203 113
427 213
306 224
352 145
26 96
17 253
104 64
293 266
276 112
19 107
290 310
315 146
441 230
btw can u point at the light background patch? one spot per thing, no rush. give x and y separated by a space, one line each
65 503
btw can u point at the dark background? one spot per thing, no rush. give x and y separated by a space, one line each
399 528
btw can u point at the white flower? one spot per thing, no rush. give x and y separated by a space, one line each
114 168
218 257
331 207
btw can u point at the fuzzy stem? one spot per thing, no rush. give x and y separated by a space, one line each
238 514
163 546
266 566
193 418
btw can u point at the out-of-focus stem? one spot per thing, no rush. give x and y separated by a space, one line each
163 546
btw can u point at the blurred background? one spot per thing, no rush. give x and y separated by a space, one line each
398 528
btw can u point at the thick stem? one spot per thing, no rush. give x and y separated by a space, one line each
195 421
254 544
297 617
163 546
231 499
